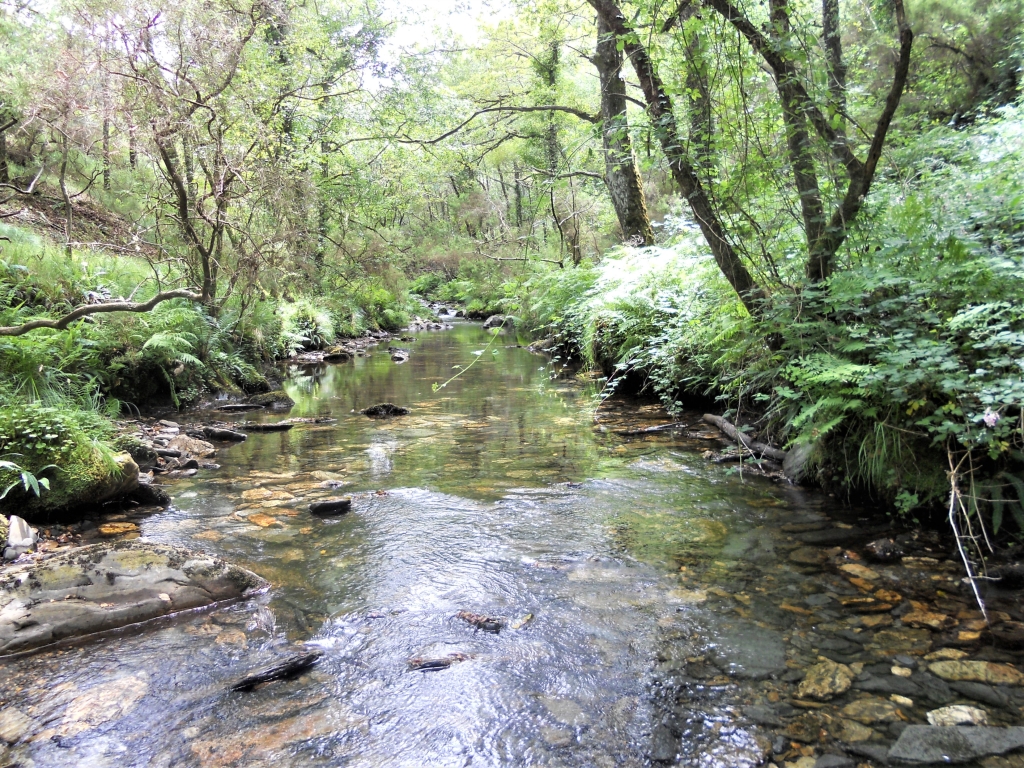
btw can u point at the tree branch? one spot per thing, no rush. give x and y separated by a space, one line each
92 309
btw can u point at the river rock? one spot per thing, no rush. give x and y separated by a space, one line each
190 446
958 714
986 694
499 321
20 535
121 482
332 507
14 725
924 744
384 409
871 710
977 672
105 586
747 651
825 680
835 761
883 551
808 556
278 398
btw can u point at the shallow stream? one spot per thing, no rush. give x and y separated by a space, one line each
620 559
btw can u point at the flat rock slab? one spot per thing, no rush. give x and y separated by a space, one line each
744 650
107 586
929 744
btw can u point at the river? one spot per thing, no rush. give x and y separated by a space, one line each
624 562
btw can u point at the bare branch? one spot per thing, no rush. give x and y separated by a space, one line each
92 309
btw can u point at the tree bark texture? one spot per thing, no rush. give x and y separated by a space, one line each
621 174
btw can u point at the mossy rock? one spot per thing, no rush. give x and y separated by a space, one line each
77 487
276 399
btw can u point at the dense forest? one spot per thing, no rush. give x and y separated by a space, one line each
810 213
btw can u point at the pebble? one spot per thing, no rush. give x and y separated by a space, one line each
870 711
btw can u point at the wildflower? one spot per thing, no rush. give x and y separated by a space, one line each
991 418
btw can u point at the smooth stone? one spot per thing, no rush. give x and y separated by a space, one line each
986 694
888 684
20 534
958 714
808 556
111 585
977 672
825 680
763 716
835 761
664 745
924 744
746 651
870 711
15 725
852 732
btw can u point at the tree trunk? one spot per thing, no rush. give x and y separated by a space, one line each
659 105
5 174
798 143
621 174
834 51
106 153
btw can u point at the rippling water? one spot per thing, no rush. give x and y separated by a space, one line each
496 495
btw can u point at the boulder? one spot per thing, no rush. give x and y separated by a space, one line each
797 464
500 321
105 586
190 446
20 538
926 744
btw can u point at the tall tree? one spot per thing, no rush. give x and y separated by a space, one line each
621 173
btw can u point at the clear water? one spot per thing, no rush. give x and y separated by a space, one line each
499 495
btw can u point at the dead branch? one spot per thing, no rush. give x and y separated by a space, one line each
92 309
751 445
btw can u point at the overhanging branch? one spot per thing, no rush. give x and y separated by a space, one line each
93 309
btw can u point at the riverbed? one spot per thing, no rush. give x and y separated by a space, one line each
651 609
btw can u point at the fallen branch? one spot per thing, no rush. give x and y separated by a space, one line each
751 445
93 309
658 428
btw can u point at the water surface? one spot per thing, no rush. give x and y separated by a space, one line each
498 494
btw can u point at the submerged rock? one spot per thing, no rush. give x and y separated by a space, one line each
825 680
958 714
384 409
106 586
332 507
276 399
977 672
925 744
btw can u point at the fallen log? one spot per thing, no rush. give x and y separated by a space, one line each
750 444
289 666
227 435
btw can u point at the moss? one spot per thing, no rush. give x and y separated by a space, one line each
277 397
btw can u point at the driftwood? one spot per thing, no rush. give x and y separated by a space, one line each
750 444
216 433
287 667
